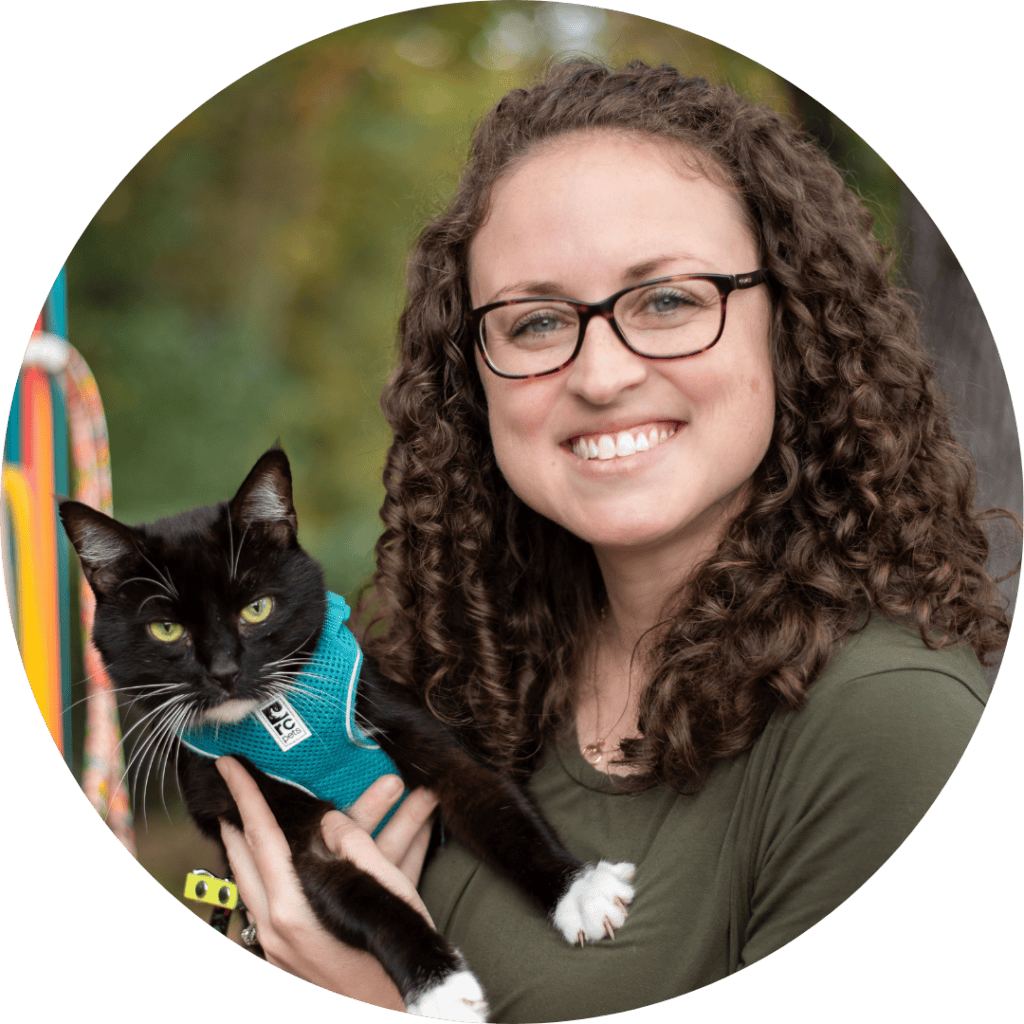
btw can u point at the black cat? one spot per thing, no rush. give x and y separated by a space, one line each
209 620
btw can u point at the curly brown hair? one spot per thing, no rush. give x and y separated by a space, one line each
863 503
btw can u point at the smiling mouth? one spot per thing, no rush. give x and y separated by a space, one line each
623 443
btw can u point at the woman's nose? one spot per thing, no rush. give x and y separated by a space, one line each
604 367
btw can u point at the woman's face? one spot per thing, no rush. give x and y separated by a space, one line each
582 218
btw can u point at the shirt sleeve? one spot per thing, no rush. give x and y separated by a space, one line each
853 773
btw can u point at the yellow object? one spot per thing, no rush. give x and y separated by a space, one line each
33 592
167 631
203 887
258 610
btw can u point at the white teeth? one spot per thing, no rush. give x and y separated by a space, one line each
623 445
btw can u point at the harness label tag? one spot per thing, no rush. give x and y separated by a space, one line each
283 723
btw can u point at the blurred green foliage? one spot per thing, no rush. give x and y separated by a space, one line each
244 281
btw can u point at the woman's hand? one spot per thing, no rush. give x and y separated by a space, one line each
290 934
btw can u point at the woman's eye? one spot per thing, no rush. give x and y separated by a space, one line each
668 302
662 303
536 323
168 632
258 610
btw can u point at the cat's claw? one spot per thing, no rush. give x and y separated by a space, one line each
595 903
459 997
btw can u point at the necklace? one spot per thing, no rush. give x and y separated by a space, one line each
594 753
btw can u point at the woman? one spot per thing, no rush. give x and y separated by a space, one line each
676 528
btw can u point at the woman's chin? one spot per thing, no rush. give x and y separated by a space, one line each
630 534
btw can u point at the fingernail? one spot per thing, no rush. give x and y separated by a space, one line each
392 785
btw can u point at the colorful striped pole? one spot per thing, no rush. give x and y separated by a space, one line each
57 395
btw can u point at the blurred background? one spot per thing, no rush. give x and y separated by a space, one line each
243 282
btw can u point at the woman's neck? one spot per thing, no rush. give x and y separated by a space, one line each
643 583
642 588
607 703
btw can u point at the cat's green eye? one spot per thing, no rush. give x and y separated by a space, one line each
167 631
258 610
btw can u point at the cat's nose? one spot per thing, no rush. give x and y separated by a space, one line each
224 669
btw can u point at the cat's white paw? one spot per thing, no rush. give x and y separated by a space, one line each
595 903
458 997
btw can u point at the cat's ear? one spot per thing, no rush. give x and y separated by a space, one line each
265 499
102 543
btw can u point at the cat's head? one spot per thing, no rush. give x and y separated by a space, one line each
205 614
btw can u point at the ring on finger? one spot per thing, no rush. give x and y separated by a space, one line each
248 935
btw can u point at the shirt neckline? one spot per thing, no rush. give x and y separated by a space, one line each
580 770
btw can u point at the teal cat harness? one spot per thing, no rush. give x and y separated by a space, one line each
309 738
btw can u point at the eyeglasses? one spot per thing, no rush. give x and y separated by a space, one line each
667 318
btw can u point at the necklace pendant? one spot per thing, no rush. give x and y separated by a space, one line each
593 752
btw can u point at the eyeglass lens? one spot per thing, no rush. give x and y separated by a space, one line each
672 318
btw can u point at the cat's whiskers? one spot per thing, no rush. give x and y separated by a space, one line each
153 713
127 707
142 771
238 554
101 692
324 706
231 549
174 726
141 749
293 685
294 651
148 579
160 740
316 694
285 684
166 737
366 727
191 719
324 701
171 589
150 598
157 719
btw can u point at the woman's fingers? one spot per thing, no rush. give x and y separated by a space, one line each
261 858
400 837
375 802
396 857
397 837
243 868
266 856
411 865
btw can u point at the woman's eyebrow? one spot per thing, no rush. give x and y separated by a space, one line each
653 267
526 288
633 274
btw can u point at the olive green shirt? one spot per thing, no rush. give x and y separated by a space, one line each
778 838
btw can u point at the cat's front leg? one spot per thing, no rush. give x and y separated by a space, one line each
493 818
431 976
594 905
